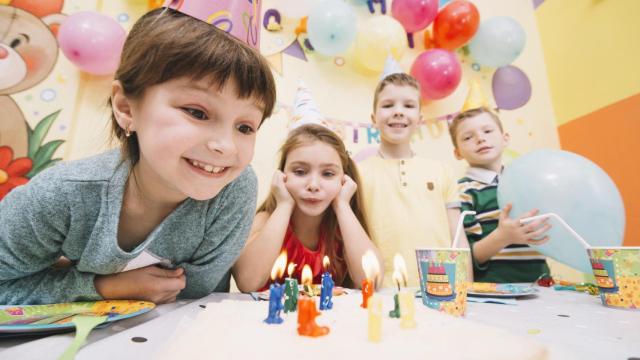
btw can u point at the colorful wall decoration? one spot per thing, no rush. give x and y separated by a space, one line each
591 50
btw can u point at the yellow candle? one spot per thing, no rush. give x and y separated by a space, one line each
407 310
375 318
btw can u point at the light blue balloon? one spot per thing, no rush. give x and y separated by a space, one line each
332 27
572 187
498 41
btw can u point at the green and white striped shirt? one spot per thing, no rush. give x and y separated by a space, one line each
515 263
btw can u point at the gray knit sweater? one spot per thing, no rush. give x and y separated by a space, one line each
72 209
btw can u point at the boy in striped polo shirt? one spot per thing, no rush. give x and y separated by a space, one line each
499 244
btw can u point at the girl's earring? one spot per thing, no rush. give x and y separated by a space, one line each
127 132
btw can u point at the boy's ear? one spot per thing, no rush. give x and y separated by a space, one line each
506 137
373 120
456 153
121 106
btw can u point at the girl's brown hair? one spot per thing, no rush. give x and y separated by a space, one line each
165 44
306 135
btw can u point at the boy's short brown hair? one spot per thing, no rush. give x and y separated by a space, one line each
455 123
398 79
165 44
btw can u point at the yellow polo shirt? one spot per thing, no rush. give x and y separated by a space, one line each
406 203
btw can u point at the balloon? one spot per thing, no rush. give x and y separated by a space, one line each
39 8
511 87
331 27
455 24
294 8
498 42
438 72
572 187
414 15
92 41
380 36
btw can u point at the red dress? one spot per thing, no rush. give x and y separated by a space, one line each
298 254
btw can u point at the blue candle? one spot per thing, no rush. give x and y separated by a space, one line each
276 290
326 293
275 304
326 288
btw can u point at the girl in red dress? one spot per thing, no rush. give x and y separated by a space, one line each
313 210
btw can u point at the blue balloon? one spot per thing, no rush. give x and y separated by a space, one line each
332 27
498 42
572 187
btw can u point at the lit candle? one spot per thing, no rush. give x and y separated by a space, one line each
307 311
395 313
375 318
406 299
371 269
407 310
276 290
399 277
326 291
290 291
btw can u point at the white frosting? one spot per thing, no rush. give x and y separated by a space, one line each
235 329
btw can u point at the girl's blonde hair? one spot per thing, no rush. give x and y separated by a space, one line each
306 135
165 44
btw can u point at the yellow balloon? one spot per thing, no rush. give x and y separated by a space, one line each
378 37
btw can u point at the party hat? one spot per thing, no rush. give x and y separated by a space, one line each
305 110
475 98
391 67
240 18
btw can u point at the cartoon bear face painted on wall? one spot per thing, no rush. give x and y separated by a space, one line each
28 49
28 53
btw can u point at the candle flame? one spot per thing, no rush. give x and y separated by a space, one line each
278 267
307 275
370 265
400 267
397 278
325 262
290 268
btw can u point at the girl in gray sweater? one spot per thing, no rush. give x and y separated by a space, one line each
186 103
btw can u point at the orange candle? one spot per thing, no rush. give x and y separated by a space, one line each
371 269
367 291
307 311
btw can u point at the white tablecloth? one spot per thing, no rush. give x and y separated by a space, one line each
570 324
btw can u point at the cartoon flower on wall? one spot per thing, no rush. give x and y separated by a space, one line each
12 171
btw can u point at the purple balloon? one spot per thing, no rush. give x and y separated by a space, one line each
92 41
511 87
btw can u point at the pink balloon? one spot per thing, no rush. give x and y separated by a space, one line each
414 15
438 72
92 41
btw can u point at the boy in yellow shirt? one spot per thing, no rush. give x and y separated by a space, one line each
411 201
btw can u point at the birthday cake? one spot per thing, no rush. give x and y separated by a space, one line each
602 276
233 329
438 282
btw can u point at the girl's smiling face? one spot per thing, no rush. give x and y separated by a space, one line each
194 137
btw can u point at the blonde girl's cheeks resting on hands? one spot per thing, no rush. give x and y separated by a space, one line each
347 190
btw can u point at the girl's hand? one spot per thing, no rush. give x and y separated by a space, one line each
149 283
283 196
349 188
